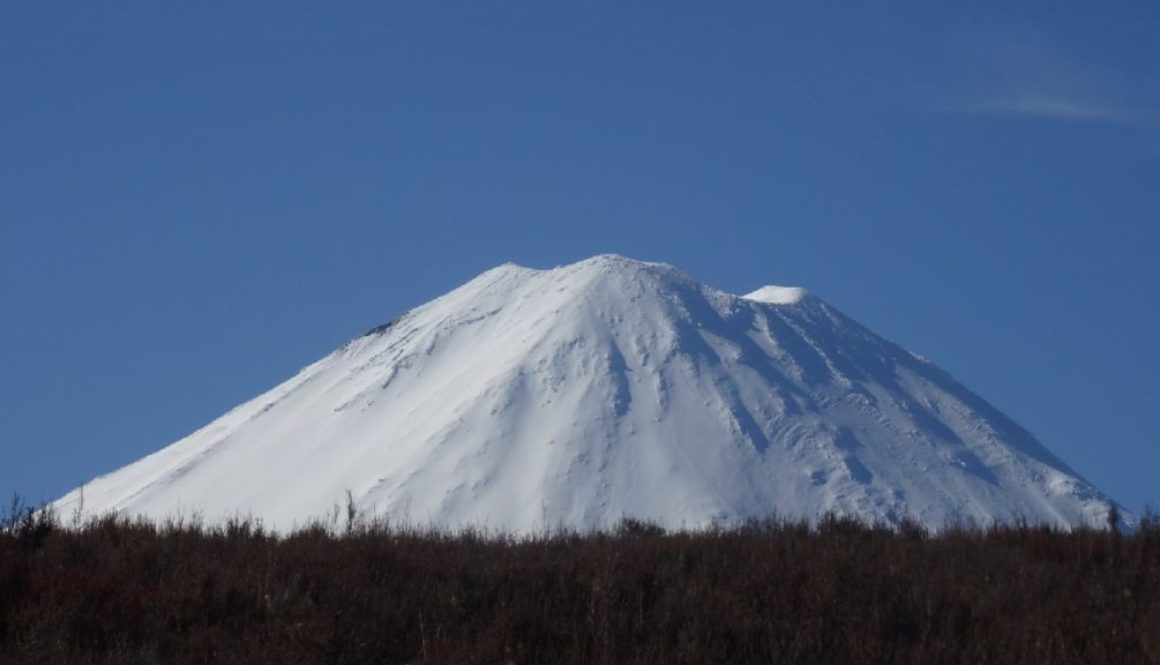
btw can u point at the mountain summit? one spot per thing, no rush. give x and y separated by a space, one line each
603 389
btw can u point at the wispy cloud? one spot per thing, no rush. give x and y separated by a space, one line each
1040 105
1024 74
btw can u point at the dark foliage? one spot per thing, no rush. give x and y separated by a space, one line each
115 591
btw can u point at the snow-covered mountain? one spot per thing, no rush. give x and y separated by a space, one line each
603 389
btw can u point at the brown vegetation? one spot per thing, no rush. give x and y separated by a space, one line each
114 591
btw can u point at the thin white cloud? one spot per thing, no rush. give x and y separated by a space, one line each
1023 74
1039 105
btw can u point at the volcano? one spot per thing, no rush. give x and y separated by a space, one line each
576 396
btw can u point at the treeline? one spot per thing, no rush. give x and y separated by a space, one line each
116 591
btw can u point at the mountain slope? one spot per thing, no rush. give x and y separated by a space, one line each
609 388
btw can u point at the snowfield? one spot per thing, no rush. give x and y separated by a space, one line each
579 395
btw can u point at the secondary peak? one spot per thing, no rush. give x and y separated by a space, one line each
778 295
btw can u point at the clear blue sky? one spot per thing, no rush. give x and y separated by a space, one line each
197 199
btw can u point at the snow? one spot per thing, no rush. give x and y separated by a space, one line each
607 388
777 295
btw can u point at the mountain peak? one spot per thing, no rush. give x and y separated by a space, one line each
608 388
581 271
621 268
617 262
